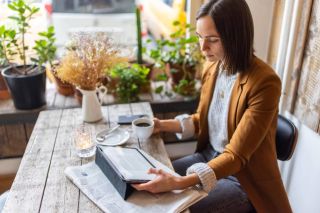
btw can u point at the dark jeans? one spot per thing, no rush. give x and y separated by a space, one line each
227 196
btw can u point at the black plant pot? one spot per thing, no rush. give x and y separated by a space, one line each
27 91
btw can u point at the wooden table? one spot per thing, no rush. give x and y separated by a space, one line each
16 125
40 184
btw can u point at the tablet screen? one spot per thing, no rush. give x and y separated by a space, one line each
130 162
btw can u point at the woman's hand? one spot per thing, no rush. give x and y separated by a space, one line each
163 182
157 126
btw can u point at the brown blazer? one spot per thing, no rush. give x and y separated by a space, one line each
250 154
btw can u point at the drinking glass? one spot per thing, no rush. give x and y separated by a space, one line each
83 141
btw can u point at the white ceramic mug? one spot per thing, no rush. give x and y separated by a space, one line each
143 127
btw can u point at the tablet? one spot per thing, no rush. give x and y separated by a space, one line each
129 163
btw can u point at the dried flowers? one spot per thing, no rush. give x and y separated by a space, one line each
87 61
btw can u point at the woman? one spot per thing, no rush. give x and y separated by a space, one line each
235 123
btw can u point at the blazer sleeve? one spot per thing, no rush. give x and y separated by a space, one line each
262 105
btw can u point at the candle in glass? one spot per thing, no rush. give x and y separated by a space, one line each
83 142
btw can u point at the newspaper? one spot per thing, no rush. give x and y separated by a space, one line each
96 186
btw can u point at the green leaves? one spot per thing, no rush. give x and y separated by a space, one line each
130 80
179 49
45 47
186 88
8 43
12 42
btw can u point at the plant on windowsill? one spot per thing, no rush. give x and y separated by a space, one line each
130 80
26 81
179 58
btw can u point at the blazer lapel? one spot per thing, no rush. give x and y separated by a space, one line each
234 102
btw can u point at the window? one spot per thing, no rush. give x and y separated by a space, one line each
93 6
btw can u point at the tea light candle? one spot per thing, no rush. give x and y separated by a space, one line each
83 142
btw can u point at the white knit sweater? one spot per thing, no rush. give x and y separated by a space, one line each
218 129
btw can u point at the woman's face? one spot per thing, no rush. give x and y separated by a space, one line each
209 39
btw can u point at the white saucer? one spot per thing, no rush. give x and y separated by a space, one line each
115 138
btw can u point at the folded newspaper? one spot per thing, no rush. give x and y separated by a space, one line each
96 186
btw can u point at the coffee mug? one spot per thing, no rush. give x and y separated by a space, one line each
143 127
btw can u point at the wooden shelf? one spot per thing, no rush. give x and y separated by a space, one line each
159 104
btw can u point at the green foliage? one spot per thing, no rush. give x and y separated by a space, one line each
186 88
7 43
179 49
13 41
45 47
130 79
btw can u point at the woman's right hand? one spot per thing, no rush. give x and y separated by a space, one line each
157 127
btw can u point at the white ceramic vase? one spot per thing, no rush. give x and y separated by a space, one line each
91 107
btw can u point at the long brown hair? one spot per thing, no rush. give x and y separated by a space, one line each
234 23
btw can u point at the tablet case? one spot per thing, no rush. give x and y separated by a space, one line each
124 189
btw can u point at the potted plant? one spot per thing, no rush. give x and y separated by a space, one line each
26 81
131 79
84 66
179 57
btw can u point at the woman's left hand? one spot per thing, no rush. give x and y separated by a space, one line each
163 182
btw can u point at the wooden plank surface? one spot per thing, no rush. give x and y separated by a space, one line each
41 185
28 187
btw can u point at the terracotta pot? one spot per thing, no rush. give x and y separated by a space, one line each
4 91
63 88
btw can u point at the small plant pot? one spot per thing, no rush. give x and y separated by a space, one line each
28 91
4 91
63 88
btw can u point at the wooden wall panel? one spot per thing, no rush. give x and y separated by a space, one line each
13 140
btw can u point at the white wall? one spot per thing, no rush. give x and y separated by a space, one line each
262 13
301 174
